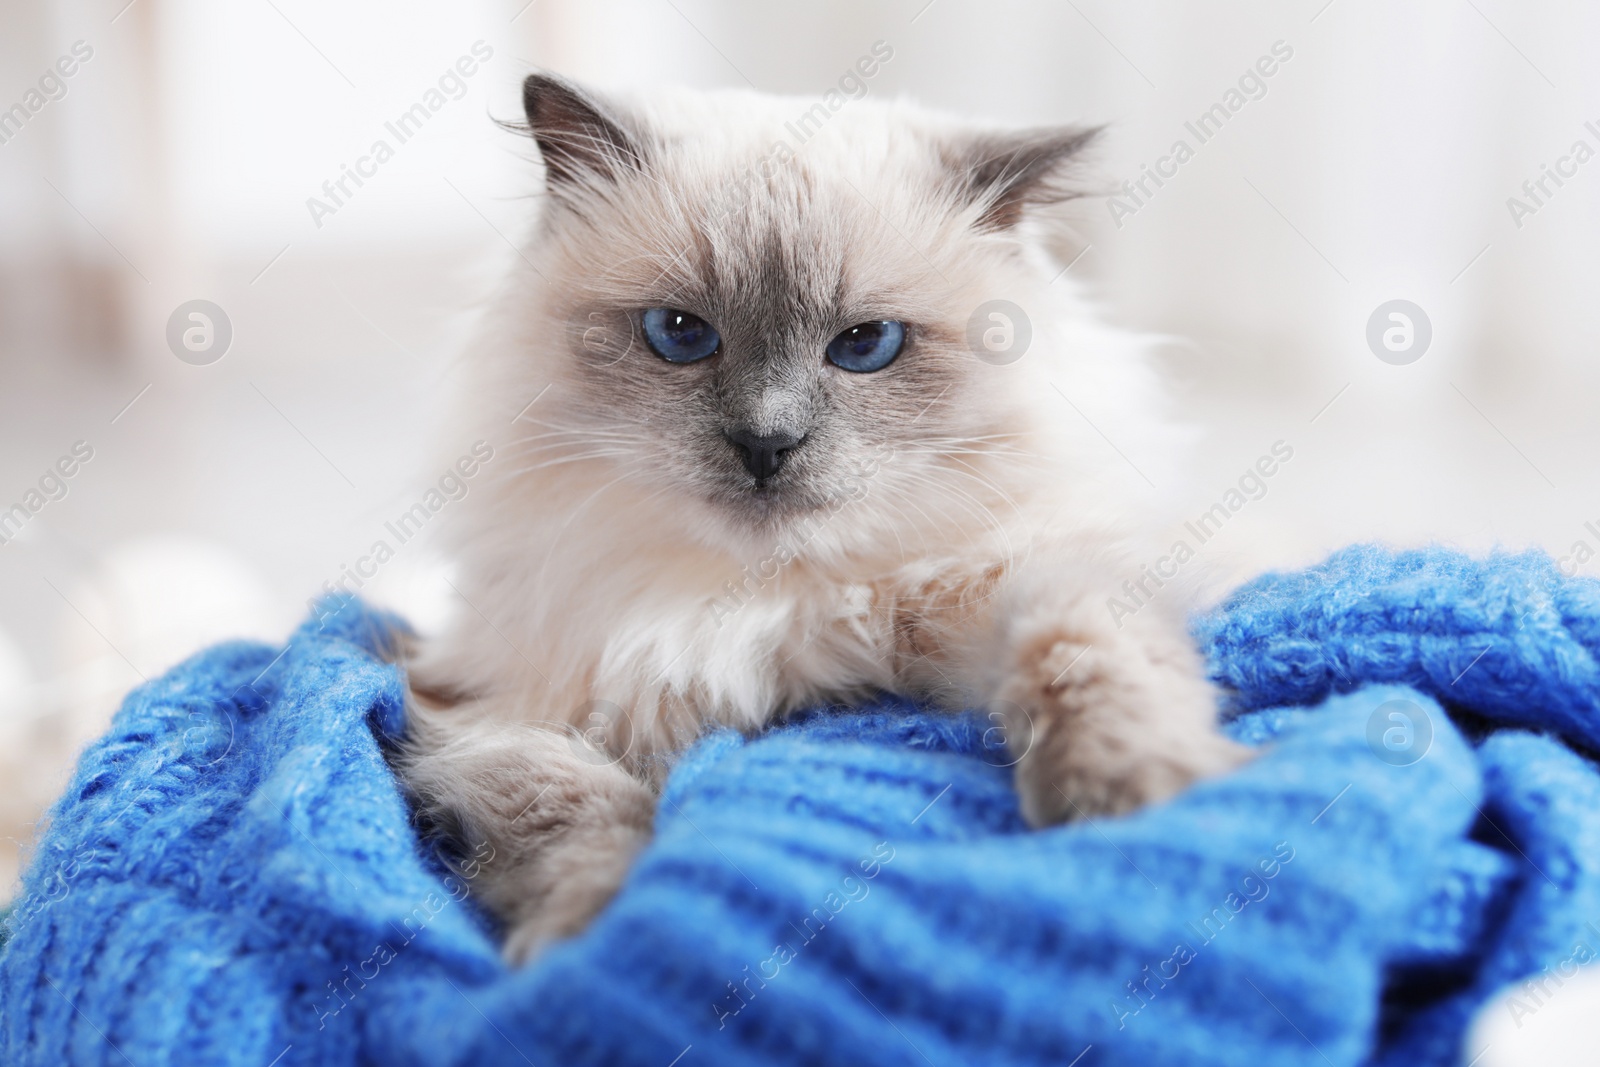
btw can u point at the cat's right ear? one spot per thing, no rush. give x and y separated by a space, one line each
580 140
1003 174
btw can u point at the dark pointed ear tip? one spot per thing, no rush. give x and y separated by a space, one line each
577 132
1089 135
540 81
541 89
1071 140
1008 171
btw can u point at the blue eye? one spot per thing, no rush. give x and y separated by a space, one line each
679 337
867 347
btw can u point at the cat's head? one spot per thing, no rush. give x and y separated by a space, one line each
762 308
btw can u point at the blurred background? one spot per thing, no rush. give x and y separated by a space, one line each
1383 159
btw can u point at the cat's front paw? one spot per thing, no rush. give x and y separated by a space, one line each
577 876
1053 789
1109 722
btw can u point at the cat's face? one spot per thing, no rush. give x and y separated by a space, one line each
767 332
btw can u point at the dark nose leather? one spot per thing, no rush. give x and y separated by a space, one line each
763 454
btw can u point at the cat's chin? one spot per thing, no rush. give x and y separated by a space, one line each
757 520
766 509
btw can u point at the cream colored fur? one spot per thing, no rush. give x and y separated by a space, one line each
953 534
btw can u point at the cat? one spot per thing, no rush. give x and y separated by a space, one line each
751 459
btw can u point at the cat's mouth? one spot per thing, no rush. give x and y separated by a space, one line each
766 502
770 495
768 483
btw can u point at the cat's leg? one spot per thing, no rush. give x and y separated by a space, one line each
1107 718
562 820
1104 711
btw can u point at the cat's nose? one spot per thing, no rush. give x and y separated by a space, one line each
763 454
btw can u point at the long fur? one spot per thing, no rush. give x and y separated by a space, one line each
950 527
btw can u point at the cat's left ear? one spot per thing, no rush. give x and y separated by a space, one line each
581 140
1004 173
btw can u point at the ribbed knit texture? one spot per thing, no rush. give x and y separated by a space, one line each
232 875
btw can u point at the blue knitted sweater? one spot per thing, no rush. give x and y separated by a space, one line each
232 877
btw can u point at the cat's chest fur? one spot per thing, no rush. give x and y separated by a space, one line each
624 617
710 640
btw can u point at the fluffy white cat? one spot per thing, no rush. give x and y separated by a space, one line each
761 444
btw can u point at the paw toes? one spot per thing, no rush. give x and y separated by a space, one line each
1073 787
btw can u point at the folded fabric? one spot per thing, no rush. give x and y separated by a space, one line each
233 878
